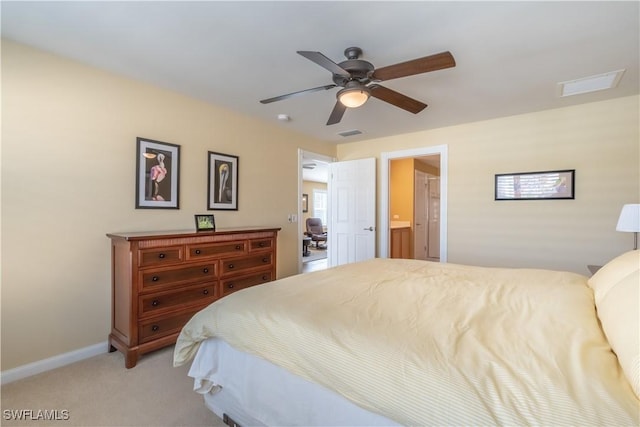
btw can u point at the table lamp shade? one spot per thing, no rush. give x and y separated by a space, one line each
629 218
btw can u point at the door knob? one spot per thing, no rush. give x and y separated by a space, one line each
370 229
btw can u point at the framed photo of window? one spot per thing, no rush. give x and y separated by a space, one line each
157 174
545 185
222 186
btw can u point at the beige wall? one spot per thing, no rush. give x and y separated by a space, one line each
68 175
599 140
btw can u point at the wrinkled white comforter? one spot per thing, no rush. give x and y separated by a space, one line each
433 344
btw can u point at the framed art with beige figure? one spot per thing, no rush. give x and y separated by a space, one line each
222 185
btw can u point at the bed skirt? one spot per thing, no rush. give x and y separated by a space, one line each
255 392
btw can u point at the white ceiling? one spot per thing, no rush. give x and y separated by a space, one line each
510 55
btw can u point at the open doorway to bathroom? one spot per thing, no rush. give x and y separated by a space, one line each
414 204
414 207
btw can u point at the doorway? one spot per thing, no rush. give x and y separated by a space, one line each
438 247
313 182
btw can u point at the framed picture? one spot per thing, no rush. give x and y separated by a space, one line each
157 174
545 185
305 203
222 187
205 223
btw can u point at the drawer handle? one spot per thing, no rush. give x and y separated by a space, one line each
205 270
155 328
230 286
206 292
161 255
238 247
262 244
230 266
197 251
155 303
265 259
265 278
155 278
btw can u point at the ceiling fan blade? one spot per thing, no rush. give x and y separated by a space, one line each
397 99
300 92
325 62
336 114
435 62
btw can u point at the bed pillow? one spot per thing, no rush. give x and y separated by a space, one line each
613 271
616 288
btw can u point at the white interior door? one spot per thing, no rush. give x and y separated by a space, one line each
420 215
351 232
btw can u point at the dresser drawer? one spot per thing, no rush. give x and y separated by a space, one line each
216 250
159 278
160 256
259 245
149 330
234 284
159 302
231 266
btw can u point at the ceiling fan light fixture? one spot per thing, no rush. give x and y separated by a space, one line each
353 95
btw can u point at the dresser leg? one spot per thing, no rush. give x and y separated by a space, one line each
130 359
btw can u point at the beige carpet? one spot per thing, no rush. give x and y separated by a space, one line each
100 392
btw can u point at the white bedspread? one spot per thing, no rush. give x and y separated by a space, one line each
433 344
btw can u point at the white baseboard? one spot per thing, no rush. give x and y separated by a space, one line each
58 361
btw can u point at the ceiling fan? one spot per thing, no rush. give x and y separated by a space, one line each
358 80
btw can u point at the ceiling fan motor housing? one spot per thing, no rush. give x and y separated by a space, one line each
359 69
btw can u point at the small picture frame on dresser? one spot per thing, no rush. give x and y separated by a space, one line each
205 223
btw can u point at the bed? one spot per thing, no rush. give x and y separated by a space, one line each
407 342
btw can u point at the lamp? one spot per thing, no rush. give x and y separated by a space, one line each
630 221
353 95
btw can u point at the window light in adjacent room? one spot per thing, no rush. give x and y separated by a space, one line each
591 84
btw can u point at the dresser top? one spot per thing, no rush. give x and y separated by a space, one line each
141 235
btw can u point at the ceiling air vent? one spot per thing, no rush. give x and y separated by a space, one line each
349 133
590 84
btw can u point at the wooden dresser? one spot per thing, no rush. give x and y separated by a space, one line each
161 279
